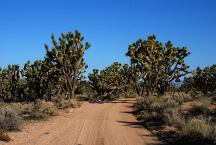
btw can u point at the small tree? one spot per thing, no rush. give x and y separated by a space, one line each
67 59
40 80
202 80
112 80
131 77
158 64
9 83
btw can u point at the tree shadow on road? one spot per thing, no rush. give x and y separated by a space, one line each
134 124
120 101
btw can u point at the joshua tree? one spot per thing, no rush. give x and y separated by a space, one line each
67 59
111 80
202 80
9 83
158 64
40 79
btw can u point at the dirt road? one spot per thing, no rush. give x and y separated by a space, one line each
92 124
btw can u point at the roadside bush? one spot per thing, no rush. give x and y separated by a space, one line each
173 117
155 112
92 98
214 133
9 119
178 98
213 99
64 104
154 108
145 103
75 103
4 137
181 98
130 95
42 110
200 108
22 108
197 131
146 116
44 107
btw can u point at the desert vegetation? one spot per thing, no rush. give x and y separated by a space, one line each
178 115
37 90
177 104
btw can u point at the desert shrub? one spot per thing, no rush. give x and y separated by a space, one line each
75 103
173 117
147 103
4 137
181 98
154 108
188 98
146 116
130 95
197 126
169 103
63 103
42 110
200 108
148 108
197 131
22 108
9 119
90 97
45 107
213 99
214 133
178 98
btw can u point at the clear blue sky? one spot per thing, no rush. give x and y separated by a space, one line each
110 26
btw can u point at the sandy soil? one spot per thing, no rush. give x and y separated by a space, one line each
91 124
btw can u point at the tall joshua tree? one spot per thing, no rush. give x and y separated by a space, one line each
158 64
67 59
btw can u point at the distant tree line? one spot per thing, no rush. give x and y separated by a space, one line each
59 72
153 68
202 81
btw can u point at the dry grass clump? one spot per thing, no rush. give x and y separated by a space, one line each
197 131
173 117
75 103
4 137
9 119
22 108
130 95
213 99
154 108
42 110
201 108
196 126
62 103
181 98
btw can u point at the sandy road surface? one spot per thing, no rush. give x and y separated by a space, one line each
92 124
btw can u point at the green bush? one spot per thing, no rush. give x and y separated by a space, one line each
9 119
